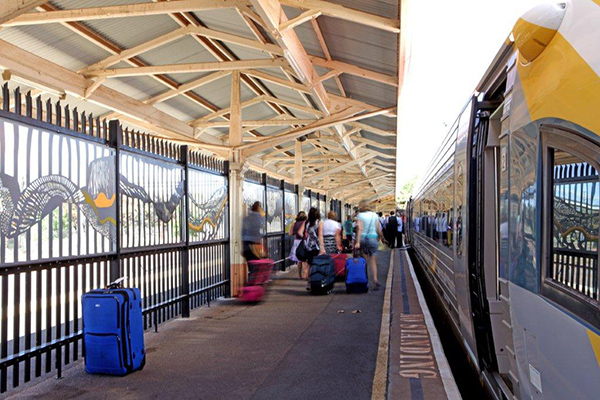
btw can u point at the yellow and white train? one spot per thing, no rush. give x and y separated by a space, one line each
506 224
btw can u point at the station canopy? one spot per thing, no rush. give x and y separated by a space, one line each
227 77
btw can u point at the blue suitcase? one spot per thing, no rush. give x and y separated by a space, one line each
357 278
113 331
321 275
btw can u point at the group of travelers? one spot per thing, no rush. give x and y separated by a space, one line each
437 226
393 227
363 232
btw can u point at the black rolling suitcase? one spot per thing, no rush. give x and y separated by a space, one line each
321 275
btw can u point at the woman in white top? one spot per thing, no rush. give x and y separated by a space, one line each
332 234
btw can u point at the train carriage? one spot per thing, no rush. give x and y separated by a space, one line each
507 220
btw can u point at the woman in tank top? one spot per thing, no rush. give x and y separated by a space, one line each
332 236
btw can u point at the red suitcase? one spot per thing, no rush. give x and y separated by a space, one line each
339 264
258 278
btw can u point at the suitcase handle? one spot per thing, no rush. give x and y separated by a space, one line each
116 284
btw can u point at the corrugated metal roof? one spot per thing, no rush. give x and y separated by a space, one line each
368 91
347 42
383 8
227 20
55 43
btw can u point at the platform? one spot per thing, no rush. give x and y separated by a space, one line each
291 346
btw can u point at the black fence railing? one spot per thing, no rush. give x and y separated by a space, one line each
85 202
576 269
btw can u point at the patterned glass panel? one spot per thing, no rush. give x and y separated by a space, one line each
253 192
57 195
305 204
274 210
323 208
151 194
208 200
291 209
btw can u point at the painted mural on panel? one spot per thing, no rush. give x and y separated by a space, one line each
208 206
57 195
291 209
274 210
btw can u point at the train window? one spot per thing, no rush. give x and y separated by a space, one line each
503 201
575 223
572 215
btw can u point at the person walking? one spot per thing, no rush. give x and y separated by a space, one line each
348 229
294 232
392 228
253 229
312 231
368 235
332 234
400 233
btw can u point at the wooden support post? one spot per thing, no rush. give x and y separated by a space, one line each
235 121
298 163
236 200
238 272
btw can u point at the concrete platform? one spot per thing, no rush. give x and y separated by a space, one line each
418 368
292 346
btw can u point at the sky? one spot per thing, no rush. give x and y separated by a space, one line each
453 43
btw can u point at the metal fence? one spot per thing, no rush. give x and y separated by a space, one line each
83 202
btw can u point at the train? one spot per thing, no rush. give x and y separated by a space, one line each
505 223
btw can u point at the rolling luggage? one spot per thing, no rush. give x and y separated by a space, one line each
357 279
260 273
321 275
339 264
113 331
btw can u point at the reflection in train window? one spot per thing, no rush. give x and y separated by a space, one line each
575 223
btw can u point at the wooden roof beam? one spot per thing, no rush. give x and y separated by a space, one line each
300 19
356 183
11 9
137 50
345 13
257 123
372 129
187 68
299 87
347 115
42 72
186 87
340 167
350 69
121 11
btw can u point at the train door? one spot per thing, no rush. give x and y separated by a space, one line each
482 237
488 160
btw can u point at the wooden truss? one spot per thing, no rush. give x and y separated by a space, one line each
345 153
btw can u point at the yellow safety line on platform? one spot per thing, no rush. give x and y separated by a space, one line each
445 372
381 369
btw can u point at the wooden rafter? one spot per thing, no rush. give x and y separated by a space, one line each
121 11
11 9
41 72
186 87
341 67
92 36
339 11
257 123
187 68
300 19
